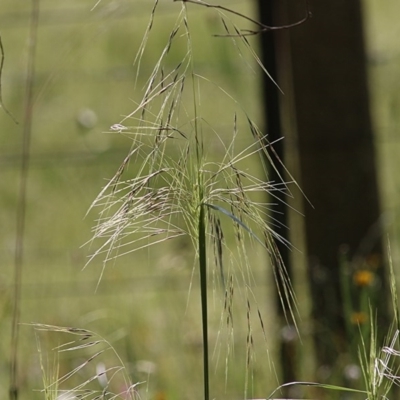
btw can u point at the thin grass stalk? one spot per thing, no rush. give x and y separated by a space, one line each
1 74
203 294
22 195
201 237
348 307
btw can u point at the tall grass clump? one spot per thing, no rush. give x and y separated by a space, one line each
171 184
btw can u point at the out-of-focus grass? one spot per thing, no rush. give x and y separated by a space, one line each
382 32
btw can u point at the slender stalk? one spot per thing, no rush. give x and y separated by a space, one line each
201 233
203 294
21 207
1 74
348 307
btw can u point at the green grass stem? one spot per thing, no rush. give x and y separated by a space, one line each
203 294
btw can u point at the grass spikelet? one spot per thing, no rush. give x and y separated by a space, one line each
94 377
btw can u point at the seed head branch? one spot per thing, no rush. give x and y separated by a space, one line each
250 32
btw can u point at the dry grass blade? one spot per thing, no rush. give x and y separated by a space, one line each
139 54
217 238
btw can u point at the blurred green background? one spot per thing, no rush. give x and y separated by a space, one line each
84 83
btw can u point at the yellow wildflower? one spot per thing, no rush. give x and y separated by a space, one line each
363 277
359 318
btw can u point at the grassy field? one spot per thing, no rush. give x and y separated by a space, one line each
144 305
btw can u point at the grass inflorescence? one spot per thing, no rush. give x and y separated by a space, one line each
174 183
179 187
